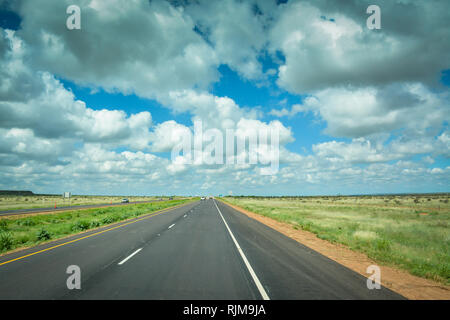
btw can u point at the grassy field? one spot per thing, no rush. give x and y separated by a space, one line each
410 232
16 232
8 202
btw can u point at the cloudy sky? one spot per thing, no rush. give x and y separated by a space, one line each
98 110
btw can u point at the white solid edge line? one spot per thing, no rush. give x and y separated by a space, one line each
261 289
171 225
126 259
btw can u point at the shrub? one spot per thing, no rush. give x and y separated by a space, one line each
26 222
80 225
115 217
307 226
107 220
383 245
3 225
43 235
97 212
95 224
124 216
6 241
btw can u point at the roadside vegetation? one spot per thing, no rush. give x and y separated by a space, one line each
13 202
25 231
411 232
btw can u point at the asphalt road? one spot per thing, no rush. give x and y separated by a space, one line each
202 250
66 208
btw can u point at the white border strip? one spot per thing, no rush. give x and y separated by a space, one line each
126 259
247 264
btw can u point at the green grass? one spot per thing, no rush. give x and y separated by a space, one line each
396 234
28 231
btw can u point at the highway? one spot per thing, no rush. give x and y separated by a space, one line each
201 250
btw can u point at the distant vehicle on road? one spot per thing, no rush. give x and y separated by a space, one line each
202 198
125 200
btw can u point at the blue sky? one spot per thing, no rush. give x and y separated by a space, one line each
350 120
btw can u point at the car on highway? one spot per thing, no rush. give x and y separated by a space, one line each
202 198
125 200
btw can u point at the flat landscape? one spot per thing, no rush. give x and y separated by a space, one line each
14 202
410 232
171 237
